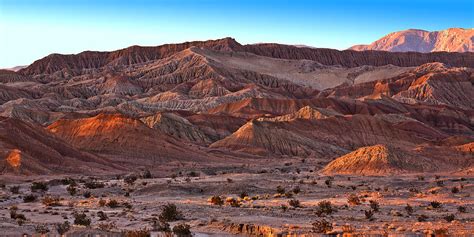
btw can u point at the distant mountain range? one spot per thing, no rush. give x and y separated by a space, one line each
413 40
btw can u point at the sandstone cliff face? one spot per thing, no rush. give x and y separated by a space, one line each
449 40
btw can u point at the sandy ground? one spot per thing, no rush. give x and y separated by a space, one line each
261 207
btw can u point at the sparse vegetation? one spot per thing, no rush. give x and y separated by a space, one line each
325 208
322 226
15 189
455 190
296 189
449 218
91 184
435 204
422 218
280 189
369 214
409 209
170 212
39 186
137 233
63 228
29 198
87 194
353 200
217 200
462 209
51 201
182 230
374 205
72 190
130 180
294 203
81 219
112 203
41 229
102 216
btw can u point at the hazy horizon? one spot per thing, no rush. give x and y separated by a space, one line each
33 29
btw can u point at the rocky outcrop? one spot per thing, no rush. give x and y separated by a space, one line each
449 40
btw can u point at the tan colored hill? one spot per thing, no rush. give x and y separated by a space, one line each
449 40
29 149
379 160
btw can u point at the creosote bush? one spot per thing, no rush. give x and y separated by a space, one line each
374 205
51 201
449 218
81 219
435 204
217 200
409 209
130 179
39 186
369 214
324 208
353 199
15 189
72 190
170 212
63 228
29 198
182 230
94 184
280 189
322 226
294 203
102 216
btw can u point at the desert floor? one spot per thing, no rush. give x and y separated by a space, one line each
251 202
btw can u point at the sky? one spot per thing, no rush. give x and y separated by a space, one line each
32 29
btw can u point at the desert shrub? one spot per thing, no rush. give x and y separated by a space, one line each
280 189
353 199
420 178
322 226
193 174
108 226
294 203
441 232
449 218
328 182
15 216
288 195
182 230
137 233
29 198
15 189
409 209
462 209
229 180
296 190
127 205
102 202
71 189
374 205
369 214
87 194
217 200
93 184
112 203
435 204
455 190
147 174
51 201
243 194
232 202
39 186
440 183
41 229
170 212
422 218
130 179
324 208
63 228
68 181
102 216
81 219
284 207
161 226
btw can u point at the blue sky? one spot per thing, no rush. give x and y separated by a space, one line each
32 29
